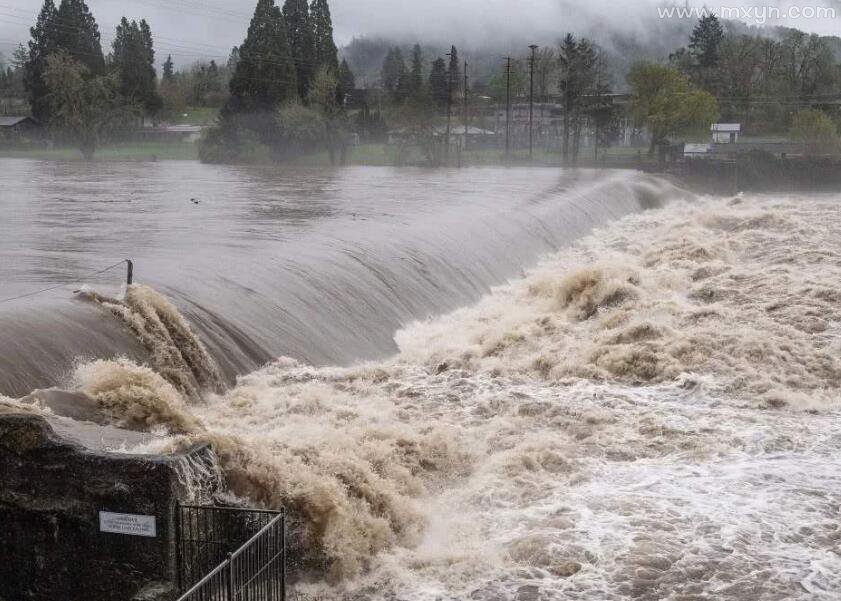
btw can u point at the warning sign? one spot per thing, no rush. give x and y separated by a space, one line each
126 523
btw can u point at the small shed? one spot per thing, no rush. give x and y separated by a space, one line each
726 133
17 127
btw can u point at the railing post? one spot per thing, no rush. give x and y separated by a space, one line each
283 555
230 579
129 272
178 546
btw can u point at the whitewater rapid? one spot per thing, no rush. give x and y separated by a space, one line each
652 413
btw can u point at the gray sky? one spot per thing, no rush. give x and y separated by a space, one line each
193 29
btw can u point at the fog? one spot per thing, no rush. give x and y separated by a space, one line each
194 29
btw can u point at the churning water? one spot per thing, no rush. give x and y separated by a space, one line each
650 412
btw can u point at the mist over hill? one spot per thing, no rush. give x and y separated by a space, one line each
654 40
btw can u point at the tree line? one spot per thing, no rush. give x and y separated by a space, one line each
286 89
85 96
770 86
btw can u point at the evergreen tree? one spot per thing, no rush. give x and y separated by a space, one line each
416 74
326 54
169 70
705 42
454 70
265 74
43 43
134 61
77 34
233 59
301 42
394 75
347 81
438 85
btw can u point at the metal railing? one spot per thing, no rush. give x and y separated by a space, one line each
241 551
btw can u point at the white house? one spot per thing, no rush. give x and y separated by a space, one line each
726 133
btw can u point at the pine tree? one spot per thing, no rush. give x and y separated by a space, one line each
326 54
43 44
416 74
438 85
77 34
394 75
454 70
347 81
706 40
301 42
265 74
169 70
134 60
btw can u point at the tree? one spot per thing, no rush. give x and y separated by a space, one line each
416 90
394 74
665 102
134 60
85 108
301 42
577 61
816 131
454 72
438 85
43 44
77 34
169 70
705 41
265 74
347 81
326 54
323 99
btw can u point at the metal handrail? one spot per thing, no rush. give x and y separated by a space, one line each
225 570
251 540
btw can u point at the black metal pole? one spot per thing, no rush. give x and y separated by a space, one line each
129 272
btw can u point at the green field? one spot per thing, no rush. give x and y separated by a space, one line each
135 151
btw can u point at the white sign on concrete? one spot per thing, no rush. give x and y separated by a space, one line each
126 523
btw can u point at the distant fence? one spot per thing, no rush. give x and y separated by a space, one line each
231 554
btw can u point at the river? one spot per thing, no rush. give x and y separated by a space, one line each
481 384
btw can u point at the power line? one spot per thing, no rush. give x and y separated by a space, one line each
37 292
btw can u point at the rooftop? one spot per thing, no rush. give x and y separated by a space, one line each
12 121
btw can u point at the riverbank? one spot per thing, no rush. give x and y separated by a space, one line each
364 155
134 151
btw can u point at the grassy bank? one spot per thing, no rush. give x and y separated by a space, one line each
135 151
373 155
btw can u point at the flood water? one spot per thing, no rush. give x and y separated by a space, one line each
487 384
322 266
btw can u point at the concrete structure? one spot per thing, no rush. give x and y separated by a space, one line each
78 523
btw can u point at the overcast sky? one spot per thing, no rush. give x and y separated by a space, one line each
193 29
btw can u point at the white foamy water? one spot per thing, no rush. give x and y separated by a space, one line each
651 414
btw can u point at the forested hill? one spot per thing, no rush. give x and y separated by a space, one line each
660 38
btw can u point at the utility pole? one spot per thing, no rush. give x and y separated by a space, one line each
466 122
449 111
508 109
531 104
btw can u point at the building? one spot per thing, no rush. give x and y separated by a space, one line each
19 128
726 133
